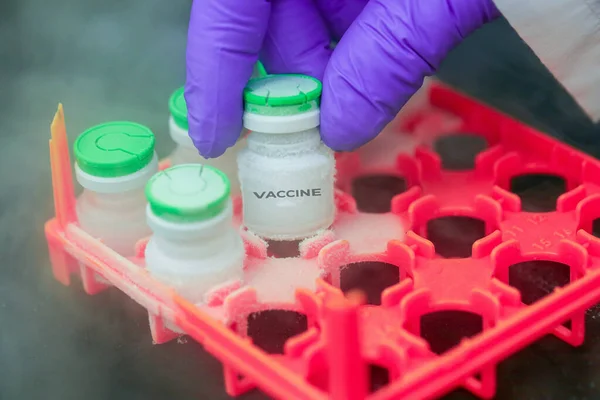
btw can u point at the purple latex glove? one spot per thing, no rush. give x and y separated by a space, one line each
388 47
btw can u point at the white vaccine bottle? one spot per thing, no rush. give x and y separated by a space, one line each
194 246
113 163
286 172
186 153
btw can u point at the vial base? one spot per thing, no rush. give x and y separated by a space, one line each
194 277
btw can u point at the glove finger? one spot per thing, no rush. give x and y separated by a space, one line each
224 39
339 14
382 61
297 39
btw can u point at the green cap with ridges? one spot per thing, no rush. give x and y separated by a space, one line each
178 108
188 193
114 149
284 94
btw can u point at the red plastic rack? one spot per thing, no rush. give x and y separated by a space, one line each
330 359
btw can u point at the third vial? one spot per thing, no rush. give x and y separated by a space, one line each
286 172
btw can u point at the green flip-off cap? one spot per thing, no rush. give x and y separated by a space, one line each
188 193
178 108
114 149
284 94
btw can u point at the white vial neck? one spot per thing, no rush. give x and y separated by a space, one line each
282 124
195 240
180 135
121 184
278 145
199 249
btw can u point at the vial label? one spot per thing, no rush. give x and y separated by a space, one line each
274 209
281 194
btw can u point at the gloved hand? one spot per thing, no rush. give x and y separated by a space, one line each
388 47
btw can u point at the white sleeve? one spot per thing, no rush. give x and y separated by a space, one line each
565 35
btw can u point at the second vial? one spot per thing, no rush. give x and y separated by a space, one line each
185 152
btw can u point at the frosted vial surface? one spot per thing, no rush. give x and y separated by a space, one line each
194 246
113 163
286 172
186 153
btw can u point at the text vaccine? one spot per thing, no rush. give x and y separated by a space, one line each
194 246
113 163
185 152
286 172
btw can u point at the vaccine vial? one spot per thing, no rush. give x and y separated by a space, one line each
186 153
286 172
113 163
194 246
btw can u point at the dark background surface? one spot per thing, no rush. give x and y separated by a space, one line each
120 60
